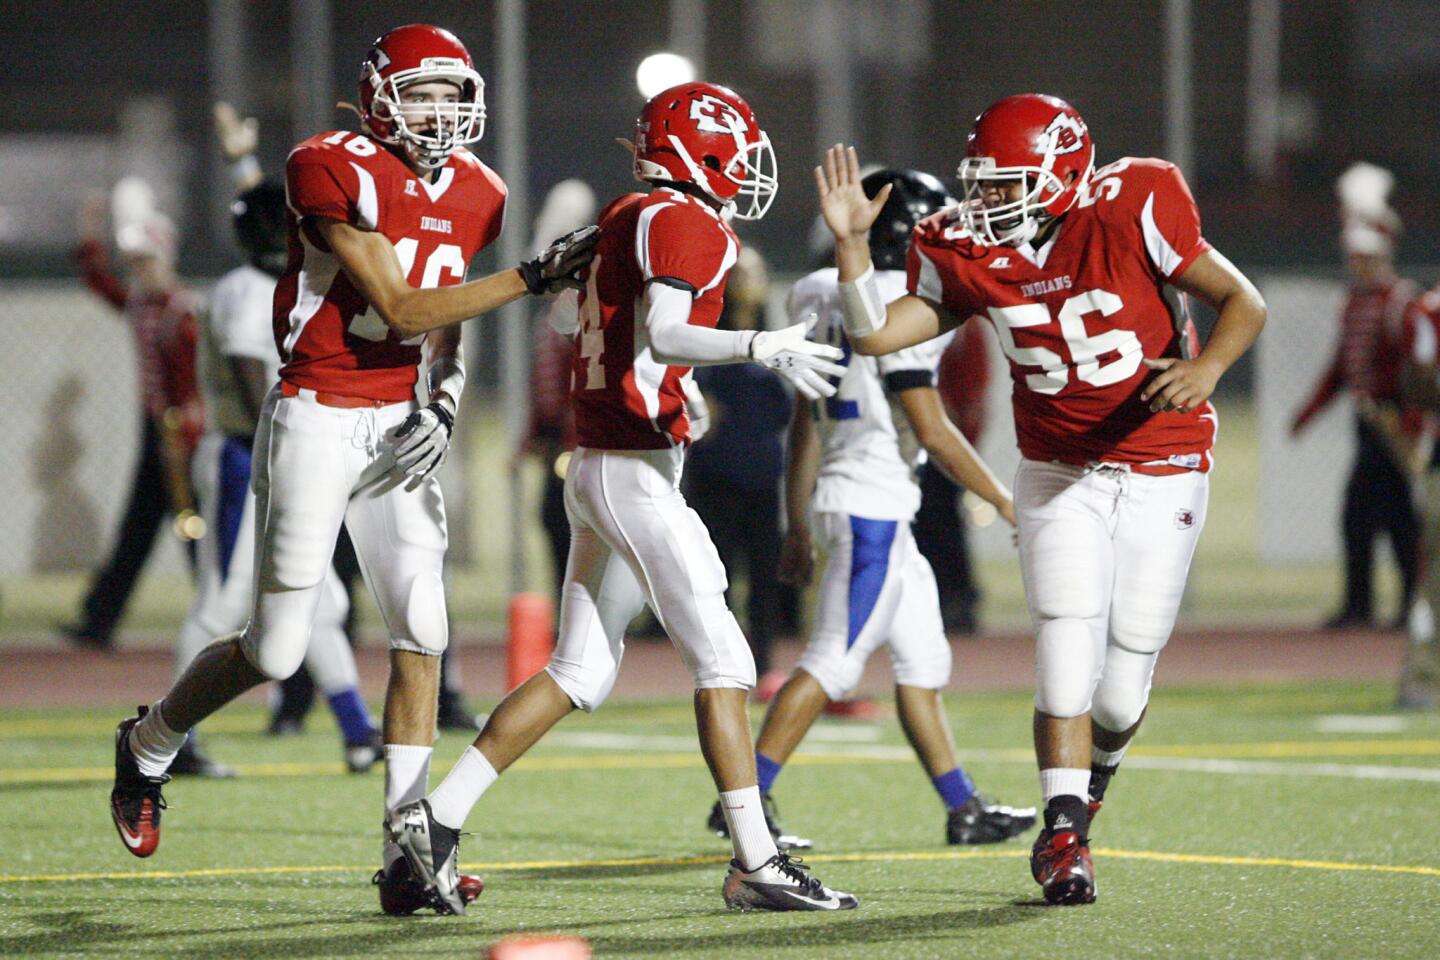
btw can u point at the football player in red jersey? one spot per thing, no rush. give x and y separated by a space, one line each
382 226
1111 407
652 296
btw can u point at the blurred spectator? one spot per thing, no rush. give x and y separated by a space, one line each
1419 687
161 315
1367 363
732 475
550 433
939 525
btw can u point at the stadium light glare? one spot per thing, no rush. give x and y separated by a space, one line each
662 70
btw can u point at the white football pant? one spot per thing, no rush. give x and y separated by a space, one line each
225 568
1104 553
877 589
316 466
634 541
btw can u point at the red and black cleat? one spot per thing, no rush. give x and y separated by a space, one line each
401 894
1060 862
135 800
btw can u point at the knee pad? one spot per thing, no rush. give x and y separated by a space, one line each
1143 632
277 654
426 627
928 668
1124 689
734 663
586 689
1067 667
825 660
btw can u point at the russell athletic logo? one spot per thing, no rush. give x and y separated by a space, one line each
1184 519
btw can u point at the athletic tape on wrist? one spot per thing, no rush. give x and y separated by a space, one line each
447 375
863 306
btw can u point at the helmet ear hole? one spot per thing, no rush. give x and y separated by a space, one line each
711 161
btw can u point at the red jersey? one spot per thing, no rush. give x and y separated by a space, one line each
963 377
1420 339
1077 316
624 398
330 339
1375 334
166 335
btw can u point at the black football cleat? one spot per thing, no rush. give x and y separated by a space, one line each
785 841
135 800
978 821
360 757
193 761
401 894
87 638
781 883
432 850
1060 863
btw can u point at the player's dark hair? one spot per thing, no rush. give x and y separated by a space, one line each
913 197
259 216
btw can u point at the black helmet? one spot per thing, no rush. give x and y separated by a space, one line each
259 215
914 196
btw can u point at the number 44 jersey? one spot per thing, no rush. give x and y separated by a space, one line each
1077 316
330 338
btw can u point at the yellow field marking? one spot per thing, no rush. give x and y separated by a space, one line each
1297 748
1013 853
621 760
617 761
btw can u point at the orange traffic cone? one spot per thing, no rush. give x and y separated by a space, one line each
532 637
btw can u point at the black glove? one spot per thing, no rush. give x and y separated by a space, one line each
558 266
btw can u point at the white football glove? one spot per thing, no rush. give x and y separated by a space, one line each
422 441
804 363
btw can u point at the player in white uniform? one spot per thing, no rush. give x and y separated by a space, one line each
238 363
877 588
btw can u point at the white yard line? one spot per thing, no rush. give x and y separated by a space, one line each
1361 723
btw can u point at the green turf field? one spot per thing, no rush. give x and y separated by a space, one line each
1278 821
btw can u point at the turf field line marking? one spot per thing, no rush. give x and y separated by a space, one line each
1361 723
1296 748
1013 853
1269 768
813 756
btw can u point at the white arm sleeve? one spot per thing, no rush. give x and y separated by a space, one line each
673 340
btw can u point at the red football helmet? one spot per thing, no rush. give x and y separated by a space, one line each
420 53
706 134
1031 139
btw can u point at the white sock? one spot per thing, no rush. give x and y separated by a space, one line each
407 774
1107 758
1064 782
467 781
154 744
748 832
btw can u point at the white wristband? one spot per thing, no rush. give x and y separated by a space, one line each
862 304
447 376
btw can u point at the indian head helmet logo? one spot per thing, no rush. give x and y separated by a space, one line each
713 115
1067 133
